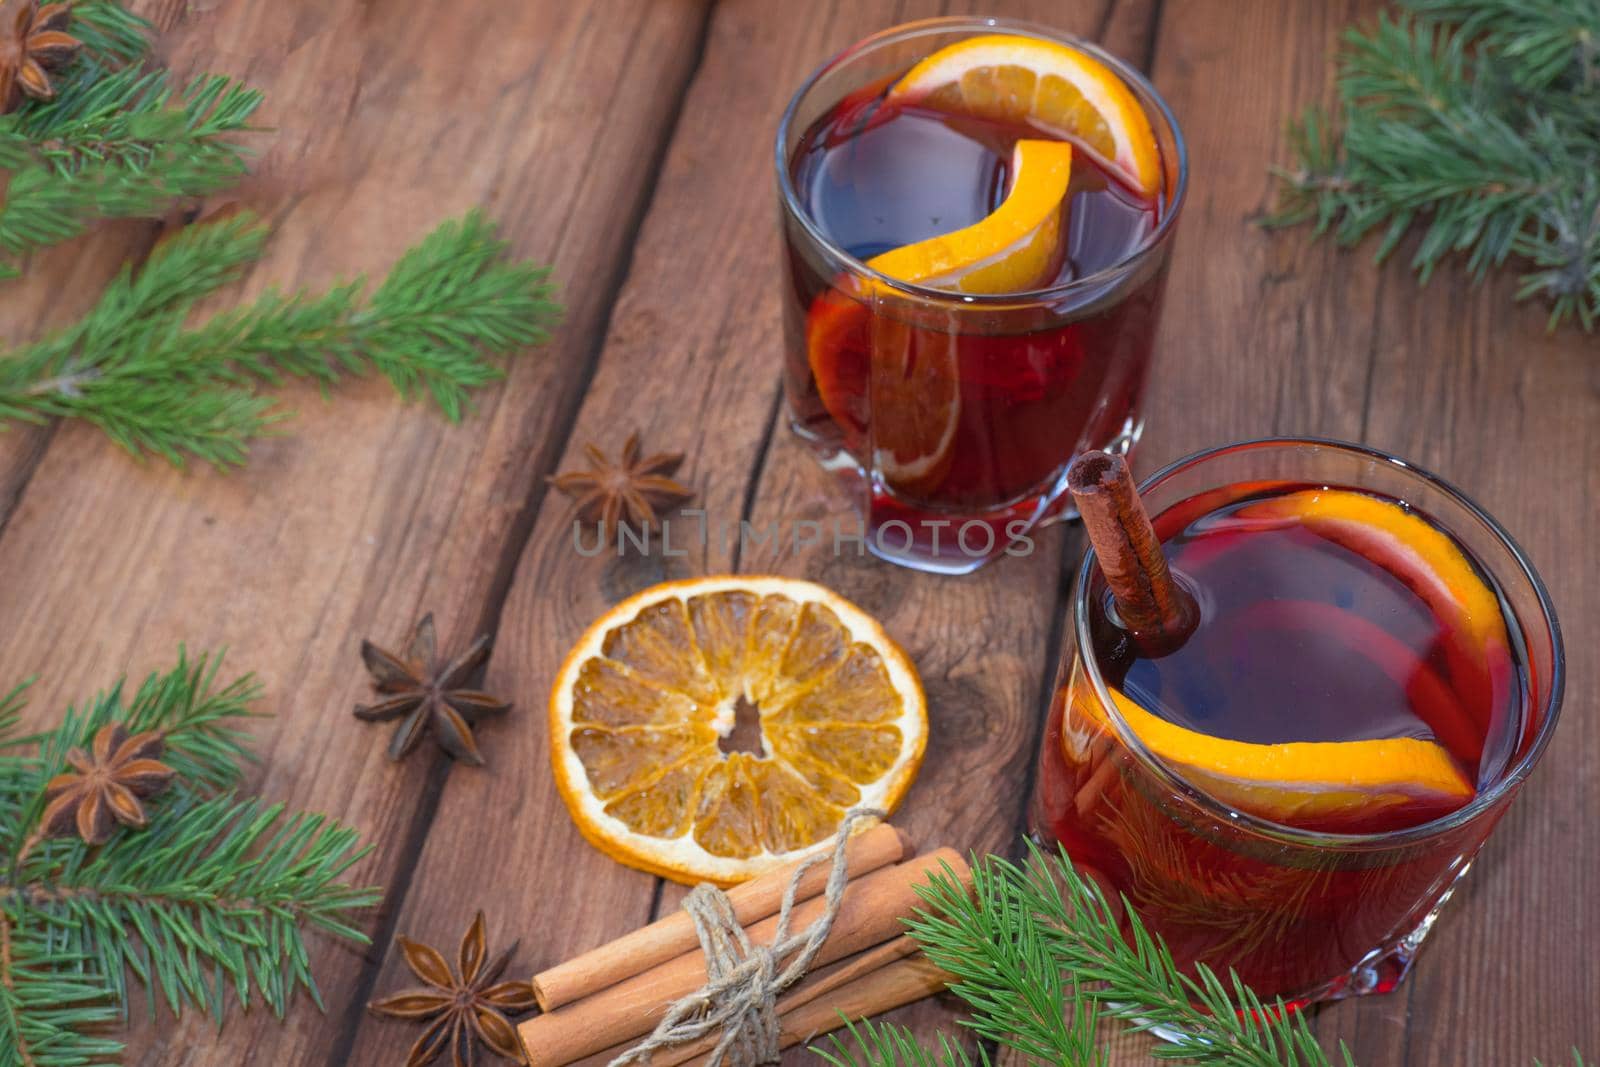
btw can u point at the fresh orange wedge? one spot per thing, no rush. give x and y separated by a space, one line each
644 715
878 370
1008 77
1432 565
1314 785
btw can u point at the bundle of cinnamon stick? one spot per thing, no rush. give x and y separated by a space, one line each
599 1004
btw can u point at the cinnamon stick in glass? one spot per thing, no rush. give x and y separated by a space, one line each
870 914
1152 606
674 935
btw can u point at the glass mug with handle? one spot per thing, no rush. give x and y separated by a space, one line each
976 216
1294 792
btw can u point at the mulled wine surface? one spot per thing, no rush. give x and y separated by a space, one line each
1304 638
877 176
1349 647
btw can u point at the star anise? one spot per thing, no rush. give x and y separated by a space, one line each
110 780
33 45
633 489
457 1006
429 694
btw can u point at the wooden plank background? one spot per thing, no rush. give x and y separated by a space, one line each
627 142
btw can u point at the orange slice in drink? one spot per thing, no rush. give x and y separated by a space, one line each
1477 650
1012 78
1011 250
1314 785
915 395
644 713
1430 699
878 375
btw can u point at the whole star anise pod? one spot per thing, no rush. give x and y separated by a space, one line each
33 45
632 489
429 694
458 1006
110 780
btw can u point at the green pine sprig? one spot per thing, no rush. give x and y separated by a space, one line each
1477 123
1040 959
208 905
118 140
135 367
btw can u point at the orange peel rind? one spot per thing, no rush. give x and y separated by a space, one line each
1014 78
1013 248
1336 785
868 372
1314 785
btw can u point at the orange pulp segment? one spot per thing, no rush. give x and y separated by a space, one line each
1013 78
643 706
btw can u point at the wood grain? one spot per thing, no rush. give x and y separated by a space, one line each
1262 333
629 144
719 359
1470 386
691 360
389 117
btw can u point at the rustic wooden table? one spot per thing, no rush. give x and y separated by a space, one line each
628 142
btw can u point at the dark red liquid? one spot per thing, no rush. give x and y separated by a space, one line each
971 411
1302 639
1306 639
878 176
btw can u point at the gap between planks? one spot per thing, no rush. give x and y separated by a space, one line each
554 447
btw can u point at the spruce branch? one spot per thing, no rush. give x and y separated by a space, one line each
1039 958
48 1018
215 895
889 1045
134 367
1476 122
116 142
1549 41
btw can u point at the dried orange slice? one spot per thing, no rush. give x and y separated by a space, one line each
1315 785
645 707
1009 77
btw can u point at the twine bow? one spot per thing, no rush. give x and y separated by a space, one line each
740 997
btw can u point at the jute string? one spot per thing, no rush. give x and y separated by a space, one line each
744 981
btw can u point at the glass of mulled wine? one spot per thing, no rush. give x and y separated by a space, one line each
977 216
1295 790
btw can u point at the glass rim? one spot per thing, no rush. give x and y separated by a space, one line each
1281 832
790 196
